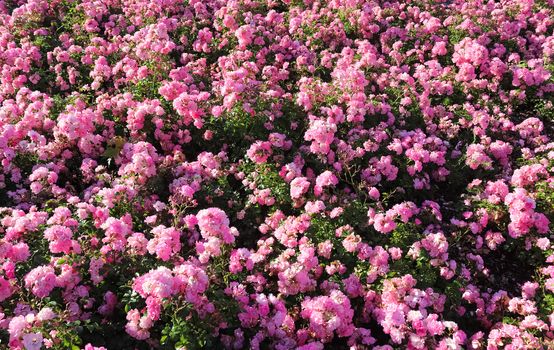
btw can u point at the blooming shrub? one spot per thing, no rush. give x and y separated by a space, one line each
276 174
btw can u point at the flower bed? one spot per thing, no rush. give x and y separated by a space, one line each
276 174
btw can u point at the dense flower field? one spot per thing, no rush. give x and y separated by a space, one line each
266 174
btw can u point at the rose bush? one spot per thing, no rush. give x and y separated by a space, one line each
267 174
